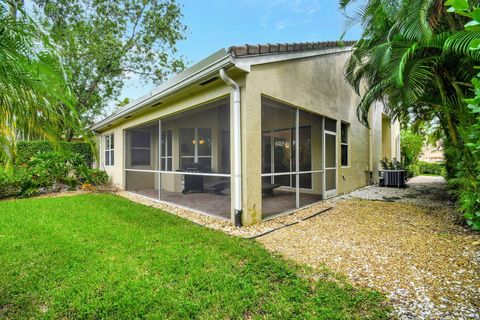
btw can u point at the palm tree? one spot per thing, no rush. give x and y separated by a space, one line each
35 101
409 56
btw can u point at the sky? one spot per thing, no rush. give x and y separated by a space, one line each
215 24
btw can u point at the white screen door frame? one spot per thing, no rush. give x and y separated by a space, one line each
328 191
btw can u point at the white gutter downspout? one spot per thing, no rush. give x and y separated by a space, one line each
237 161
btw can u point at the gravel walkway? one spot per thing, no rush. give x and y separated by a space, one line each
423 190
407 246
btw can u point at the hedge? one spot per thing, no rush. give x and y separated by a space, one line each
28 149
431 168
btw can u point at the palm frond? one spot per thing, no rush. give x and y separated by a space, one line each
460 42
35 99
413 20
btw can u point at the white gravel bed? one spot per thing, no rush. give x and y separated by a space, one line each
427 191
226 226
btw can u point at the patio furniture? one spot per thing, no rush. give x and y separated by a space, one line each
268 188
192 182
216 187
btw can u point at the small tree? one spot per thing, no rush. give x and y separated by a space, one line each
411 145
35 99
468 165
105 42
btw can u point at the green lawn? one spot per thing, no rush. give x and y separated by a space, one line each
102 256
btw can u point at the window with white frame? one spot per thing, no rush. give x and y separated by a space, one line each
279 148
344 143
167 150
141 142
196 148
109 150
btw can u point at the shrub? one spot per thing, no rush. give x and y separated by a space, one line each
470 207
10 183
391 165
431 168
49 171
411 145
412 170
29 149
92 176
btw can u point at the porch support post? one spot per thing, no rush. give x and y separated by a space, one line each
252 150
159 162
297 156
324 174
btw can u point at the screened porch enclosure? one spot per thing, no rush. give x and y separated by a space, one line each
298 157
183 159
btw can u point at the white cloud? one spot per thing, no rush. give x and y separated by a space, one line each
282 24
280 13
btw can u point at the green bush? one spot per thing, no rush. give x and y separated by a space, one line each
391 165
470 206
92 176
411 145
49 171
431 168
29 149
413 170
11 183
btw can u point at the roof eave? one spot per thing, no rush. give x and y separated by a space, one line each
206 68
223 61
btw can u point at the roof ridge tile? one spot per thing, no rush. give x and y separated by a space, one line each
272 48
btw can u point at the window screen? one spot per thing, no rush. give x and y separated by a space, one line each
167 150
140 148
109 150
344 144
196 149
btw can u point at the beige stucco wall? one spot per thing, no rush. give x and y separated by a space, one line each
384 138
395 140
313 84
390 138
375 122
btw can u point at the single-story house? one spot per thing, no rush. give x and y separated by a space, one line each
249 133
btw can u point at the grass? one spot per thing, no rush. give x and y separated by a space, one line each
101 256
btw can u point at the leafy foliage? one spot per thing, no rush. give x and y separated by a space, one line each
411 145
28 149
104 42
47 172
418 58
391 165
431 168
467 177
35 100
